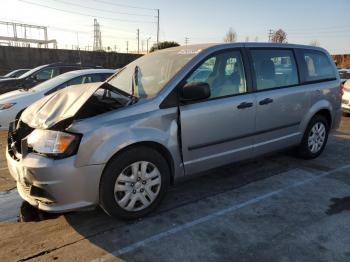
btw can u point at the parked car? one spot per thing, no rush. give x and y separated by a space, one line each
16 101
346 99
15 73
120 144
344 74
38 75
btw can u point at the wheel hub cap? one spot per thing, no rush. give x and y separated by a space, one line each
137 186
317 137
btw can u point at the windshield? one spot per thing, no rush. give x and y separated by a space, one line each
51 83
10 74
146 76
32 71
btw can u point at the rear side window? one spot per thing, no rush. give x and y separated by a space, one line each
274 68
46 74
318 66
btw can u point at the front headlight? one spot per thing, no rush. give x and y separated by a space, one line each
53 143
6 106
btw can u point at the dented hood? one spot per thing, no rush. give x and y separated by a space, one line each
58 106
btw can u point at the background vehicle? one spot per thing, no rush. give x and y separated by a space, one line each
159 120
15 73
346 99
16 101
38 75
344 74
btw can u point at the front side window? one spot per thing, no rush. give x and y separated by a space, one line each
223 72
274 68
318 66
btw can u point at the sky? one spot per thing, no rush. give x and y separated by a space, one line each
70 22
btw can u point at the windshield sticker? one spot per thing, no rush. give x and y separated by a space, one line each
189 52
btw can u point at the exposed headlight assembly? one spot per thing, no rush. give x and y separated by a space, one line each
6 106
52 143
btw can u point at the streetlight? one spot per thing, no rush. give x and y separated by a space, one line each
147 42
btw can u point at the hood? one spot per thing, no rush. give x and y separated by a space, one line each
9 84
4 81
58 106
15 96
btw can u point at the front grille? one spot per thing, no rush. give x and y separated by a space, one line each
16 138
345 101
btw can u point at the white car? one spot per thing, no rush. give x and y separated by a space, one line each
14 102
345 105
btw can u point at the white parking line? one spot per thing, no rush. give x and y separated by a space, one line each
207 218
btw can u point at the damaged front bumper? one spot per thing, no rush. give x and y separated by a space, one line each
53 185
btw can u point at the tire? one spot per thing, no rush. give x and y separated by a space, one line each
130 182
306 150
346 114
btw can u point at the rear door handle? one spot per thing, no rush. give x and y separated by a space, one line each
266 101
244 105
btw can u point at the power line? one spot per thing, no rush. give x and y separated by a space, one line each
122 5
318 28
83 14
101 10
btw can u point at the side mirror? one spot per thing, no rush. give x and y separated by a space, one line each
195 91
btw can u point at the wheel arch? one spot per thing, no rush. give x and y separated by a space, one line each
322 107
327 114
155 146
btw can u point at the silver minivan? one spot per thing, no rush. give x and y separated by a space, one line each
169 115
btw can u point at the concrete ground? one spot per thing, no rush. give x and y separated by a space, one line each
276 208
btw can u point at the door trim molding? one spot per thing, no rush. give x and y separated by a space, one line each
221 141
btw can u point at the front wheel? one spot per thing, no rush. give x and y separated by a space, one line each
315 138
134 183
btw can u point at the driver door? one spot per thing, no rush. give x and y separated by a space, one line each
218 130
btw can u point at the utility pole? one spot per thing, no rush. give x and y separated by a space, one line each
157 27
127 47
147 43
186 40
142 44
97 37
270 35
138 41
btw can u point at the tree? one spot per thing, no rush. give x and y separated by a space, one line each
163 45
231 36
279 36
315 42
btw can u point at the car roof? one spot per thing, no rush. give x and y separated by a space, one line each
199 47
89 71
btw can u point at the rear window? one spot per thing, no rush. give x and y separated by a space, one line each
318 66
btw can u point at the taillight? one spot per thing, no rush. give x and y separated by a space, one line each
341 90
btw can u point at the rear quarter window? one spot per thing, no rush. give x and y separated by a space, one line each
318 67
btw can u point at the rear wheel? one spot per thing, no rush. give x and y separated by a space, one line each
315 138
134 183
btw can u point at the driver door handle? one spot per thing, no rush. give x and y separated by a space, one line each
266 101
244 105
